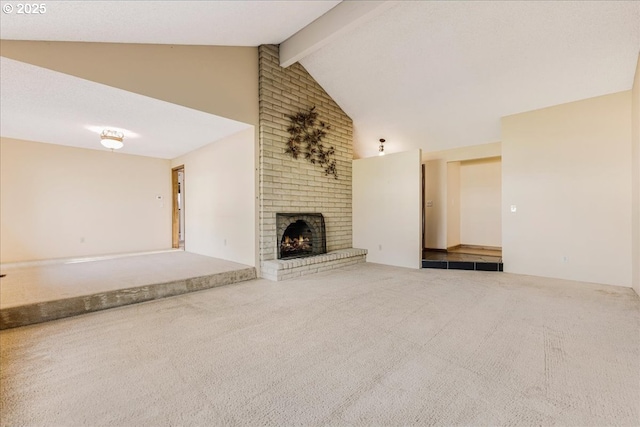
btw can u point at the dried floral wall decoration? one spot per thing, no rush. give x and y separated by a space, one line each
307 134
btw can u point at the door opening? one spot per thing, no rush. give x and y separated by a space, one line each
177 223
424 214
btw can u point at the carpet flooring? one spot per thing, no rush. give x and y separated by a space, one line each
364 345
33 284
44 291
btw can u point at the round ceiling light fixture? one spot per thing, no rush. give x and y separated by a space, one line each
112 139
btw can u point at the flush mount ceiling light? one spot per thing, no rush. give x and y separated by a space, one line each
112 139
381 147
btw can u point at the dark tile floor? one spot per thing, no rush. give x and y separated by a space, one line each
448 256
462 261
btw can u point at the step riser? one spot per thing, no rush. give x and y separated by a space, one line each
13 317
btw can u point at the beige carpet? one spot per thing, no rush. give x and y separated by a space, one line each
50 281
366 345
45 291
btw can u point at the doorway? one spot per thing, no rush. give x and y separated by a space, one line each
463 204
177 223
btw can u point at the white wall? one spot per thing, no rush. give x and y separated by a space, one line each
480 202
453 204
220 198
636 180
387 208
567 170
59 202
435 204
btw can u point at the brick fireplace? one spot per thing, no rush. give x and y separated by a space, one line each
295 186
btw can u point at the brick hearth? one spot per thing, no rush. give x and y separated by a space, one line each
290 268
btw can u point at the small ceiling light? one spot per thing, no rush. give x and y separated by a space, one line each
112 139
381 147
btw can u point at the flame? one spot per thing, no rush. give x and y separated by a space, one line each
300 243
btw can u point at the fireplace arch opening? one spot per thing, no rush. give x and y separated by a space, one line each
300 235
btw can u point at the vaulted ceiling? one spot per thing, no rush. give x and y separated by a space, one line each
422 74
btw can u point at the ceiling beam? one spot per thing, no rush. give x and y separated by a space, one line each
342 18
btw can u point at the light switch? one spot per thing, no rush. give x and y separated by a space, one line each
513 208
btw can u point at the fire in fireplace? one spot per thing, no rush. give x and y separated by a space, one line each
300 235
296 240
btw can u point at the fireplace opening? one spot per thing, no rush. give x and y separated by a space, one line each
296 240
300 235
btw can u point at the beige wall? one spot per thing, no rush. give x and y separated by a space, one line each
635 160
567 170
480 202
386 208
58 202
453 204
219 199
216 79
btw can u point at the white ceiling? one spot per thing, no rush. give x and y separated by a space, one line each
224 23
439 75
47 106
427 74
